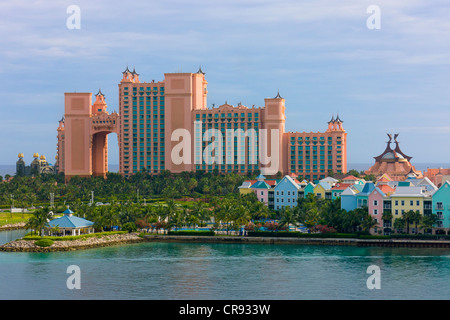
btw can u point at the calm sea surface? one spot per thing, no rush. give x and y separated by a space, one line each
178 271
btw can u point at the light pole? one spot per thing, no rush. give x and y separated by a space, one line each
52 199
12 203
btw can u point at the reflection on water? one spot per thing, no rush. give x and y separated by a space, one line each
10 235
227 271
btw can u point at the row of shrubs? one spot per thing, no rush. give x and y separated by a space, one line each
69 238
296 234
207 233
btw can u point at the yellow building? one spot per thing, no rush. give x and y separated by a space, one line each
322 189
406 199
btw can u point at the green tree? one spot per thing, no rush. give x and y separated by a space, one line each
288 217
428 221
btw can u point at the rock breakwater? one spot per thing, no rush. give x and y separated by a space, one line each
21 245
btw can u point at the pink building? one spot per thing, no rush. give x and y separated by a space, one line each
375 205
82 144
167 125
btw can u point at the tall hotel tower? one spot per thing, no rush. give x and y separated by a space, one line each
166 125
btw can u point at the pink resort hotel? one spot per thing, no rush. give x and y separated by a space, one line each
166 125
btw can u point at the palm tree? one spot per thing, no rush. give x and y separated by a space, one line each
32 223
368 223
39 219
171 211
429 221
399 223
288 217
241 216
408 216
416 219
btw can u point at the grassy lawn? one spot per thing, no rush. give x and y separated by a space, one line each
5 218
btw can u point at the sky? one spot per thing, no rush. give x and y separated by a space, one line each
323 56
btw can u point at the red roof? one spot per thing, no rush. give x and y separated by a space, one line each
350 177
341 186
271 182
385 178
385 188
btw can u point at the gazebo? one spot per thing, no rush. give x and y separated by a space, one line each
70 225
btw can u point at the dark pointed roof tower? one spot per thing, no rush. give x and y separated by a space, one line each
397 148
393 162
332 119
200 70
387 150
278 95
127 70
100 93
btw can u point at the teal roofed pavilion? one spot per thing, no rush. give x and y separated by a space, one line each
69 225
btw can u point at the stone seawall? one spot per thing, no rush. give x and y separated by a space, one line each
305 241
15 226
70 245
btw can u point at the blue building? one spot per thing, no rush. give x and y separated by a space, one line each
69 225
441 207
286 193
348 198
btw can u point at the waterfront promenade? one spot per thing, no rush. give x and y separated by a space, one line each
305 241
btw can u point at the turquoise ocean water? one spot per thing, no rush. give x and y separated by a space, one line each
184 271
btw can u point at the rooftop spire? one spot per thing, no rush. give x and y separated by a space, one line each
99 93
127 70
200 70
332 119
278 95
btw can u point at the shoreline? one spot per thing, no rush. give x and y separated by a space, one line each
303 241
13 226
21 245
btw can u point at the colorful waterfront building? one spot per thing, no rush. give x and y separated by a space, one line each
408 198
441 207
286 193
337 189
375 205
261 189
437 175
351 179
309 188
167 125
362 198
348 198
322 190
